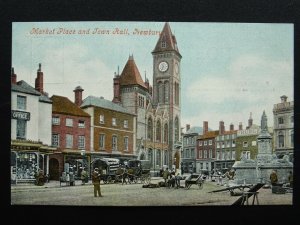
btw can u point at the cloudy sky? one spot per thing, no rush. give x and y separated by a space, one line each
227 69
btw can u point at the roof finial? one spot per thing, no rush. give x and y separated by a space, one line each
40 67
118 71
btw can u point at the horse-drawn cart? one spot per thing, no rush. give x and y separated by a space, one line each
107 168
139 171
197 179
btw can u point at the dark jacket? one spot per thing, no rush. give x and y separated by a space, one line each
96 177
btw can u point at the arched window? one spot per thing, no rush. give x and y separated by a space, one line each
150 157
280 140
150 129
158 131
292 138
166 92
176 129
158 158
166 133
166 157
160 92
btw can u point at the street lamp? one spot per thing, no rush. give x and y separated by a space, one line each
82 153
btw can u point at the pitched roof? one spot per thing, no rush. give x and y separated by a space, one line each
209 134
193 130
103 103
168 38
131 75
62 105
25 88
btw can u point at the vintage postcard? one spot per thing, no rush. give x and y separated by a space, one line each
115 113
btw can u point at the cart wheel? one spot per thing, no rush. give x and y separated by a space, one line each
109 179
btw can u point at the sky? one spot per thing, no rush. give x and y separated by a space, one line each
228 70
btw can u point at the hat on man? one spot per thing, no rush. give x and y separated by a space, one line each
96 169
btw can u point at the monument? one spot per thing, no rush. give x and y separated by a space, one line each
249 171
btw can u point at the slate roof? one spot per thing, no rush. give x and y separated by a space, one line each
63 105
103 103
193 130
167 37
25 88
131 75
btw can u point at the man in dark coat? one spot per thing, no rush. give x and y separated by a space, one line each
273 178
96 182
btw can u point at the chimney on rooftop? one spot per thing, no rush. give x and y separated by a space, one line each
13 76
78 95
188 126
231 127
39 80
240 126
205 127
221 127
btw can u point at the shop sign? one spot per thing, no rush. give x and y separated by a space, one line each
19 115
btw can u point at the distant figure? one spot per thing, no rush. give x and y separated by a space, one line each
40 178
96 182
166 175
273 178
83 176
290 178
231 174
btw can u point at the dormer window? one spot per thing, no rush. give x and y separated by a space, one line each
163 44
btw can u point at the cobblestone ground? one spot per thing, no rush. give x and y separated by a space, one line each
133 195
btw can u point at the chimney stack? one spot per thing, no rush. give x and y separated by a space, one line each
39 80
13 76
240 126
205 127
188 126
231 127
250 121
78 95
221 127
117 97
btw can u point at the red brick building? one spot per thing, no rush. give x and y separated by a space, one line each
71 135
206 149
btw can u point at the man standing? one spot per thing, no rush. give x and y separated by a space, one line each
96 182
273 178
83 176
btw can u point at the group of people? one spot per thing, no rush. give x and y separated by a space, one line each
171 178
274 178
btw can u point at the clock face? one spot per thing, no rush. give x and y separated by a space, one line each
163 66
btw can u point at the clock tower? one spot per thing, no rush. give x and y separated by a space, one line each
167 85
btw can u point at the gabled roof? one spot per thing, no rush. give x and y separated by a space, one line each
62 105
131 75
103 103
25 88
168 38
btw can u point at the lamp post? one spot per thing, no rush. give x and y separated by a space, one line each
83 159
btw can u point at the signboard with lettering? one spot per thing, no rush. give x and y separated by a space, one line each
19 115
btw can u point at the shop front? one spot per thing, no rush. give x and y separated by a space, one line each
27 158
75 161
